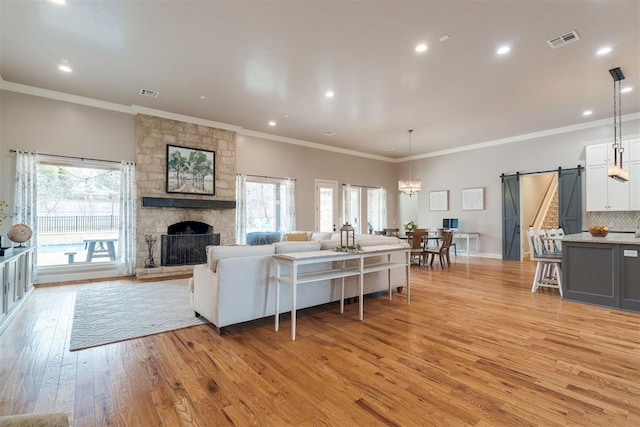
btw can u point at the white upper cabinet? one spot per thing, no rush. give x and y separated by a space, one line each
598 154
635 151
634 185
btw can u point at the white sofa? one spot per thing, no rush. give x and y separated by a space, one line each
236 285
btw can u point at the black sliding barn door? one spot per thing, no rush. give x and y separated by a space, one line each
511 217
570 200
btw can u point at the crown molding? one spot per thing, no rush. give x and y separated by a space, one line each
136 109
523 137
315 145
181 118
66 97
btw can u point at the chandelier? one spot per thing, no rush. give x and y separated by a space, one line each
410 186
616 171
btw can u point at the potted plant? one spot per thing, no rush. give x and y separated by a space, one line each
410 226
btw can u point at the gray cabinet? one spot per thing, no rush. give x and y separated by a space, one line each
630 277
588 273
17 281
602 274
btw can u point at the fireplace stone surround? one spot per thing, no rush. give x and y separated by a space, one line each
161 209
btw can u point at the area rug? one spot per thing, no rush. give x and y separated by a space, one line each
118 313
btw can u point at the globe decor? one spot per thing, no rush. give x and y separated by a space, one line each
19 233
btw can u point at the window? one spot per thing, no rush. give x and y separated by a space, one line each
264 205
78 207
375 206
376 209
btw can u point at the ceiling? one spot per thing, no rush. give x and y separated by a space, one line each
257 61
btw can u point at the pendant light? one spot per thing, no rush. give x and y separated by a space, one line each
616 171
410 186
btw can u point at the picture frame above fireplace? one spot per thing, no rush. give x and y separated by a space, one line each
190 170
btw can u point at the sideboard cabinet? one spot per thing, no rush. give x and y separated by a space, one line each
17 281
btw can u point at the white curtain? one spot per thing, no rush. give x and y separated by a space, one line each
241 209
127 229
346 203
25 206
290 208
383 208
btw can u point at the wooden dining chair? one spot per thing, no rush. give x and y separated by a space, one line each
442 250
415 239
391 232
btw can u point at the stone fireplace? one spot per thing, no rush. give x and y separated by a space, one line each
159 210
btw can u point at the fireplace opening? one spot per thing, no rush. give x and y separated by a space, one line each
186 243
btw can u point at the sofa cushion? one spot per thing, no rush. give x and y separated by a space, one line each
317 236
291 247
295 237
216 253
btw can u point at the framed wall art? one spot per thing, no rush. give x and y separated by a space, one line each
190 170
439 200
473 199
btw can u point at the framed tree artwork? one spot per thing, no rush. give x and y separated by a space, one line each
190 170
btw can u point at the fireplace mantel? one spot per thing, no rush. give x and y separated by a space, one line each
166 202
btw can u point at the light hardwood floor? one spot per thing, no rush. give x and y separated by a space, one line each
475 347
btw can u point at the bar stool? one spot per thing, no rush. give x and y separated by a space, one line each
548 271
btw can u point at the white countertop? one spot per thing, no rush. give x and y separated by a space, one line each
611 238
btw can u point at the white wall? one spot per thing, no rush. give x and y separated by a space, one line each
56 127
263 157
47 126
483 167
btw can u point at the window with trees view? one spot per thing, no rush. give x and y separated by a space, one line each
266 204
76 204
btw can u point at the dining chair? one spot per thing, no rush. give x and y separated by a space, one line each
415 239
548 270
391 232
442 250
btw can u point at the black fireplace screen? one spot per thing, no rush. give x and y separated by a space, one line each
187 243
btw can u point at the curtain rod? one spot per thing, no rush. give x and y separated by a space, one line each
267 177
13 151
362 186
504 175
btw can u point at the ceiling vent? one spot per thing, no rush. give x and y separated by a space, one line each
564 39
149 93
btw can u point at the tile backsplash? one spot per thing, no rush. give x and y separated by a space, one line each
617 221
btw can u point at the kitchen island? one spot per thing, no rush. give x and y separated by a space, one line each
602 270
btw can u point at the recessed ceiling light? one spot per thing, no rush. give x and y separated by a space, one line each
61 2
272 123
390 148
421 48
587 113
444 38
626 89
286 116
203 97
329 94
604 50
328 133
503 50
64 68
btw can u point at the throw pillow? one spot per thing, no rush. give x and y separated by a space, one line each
296 237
